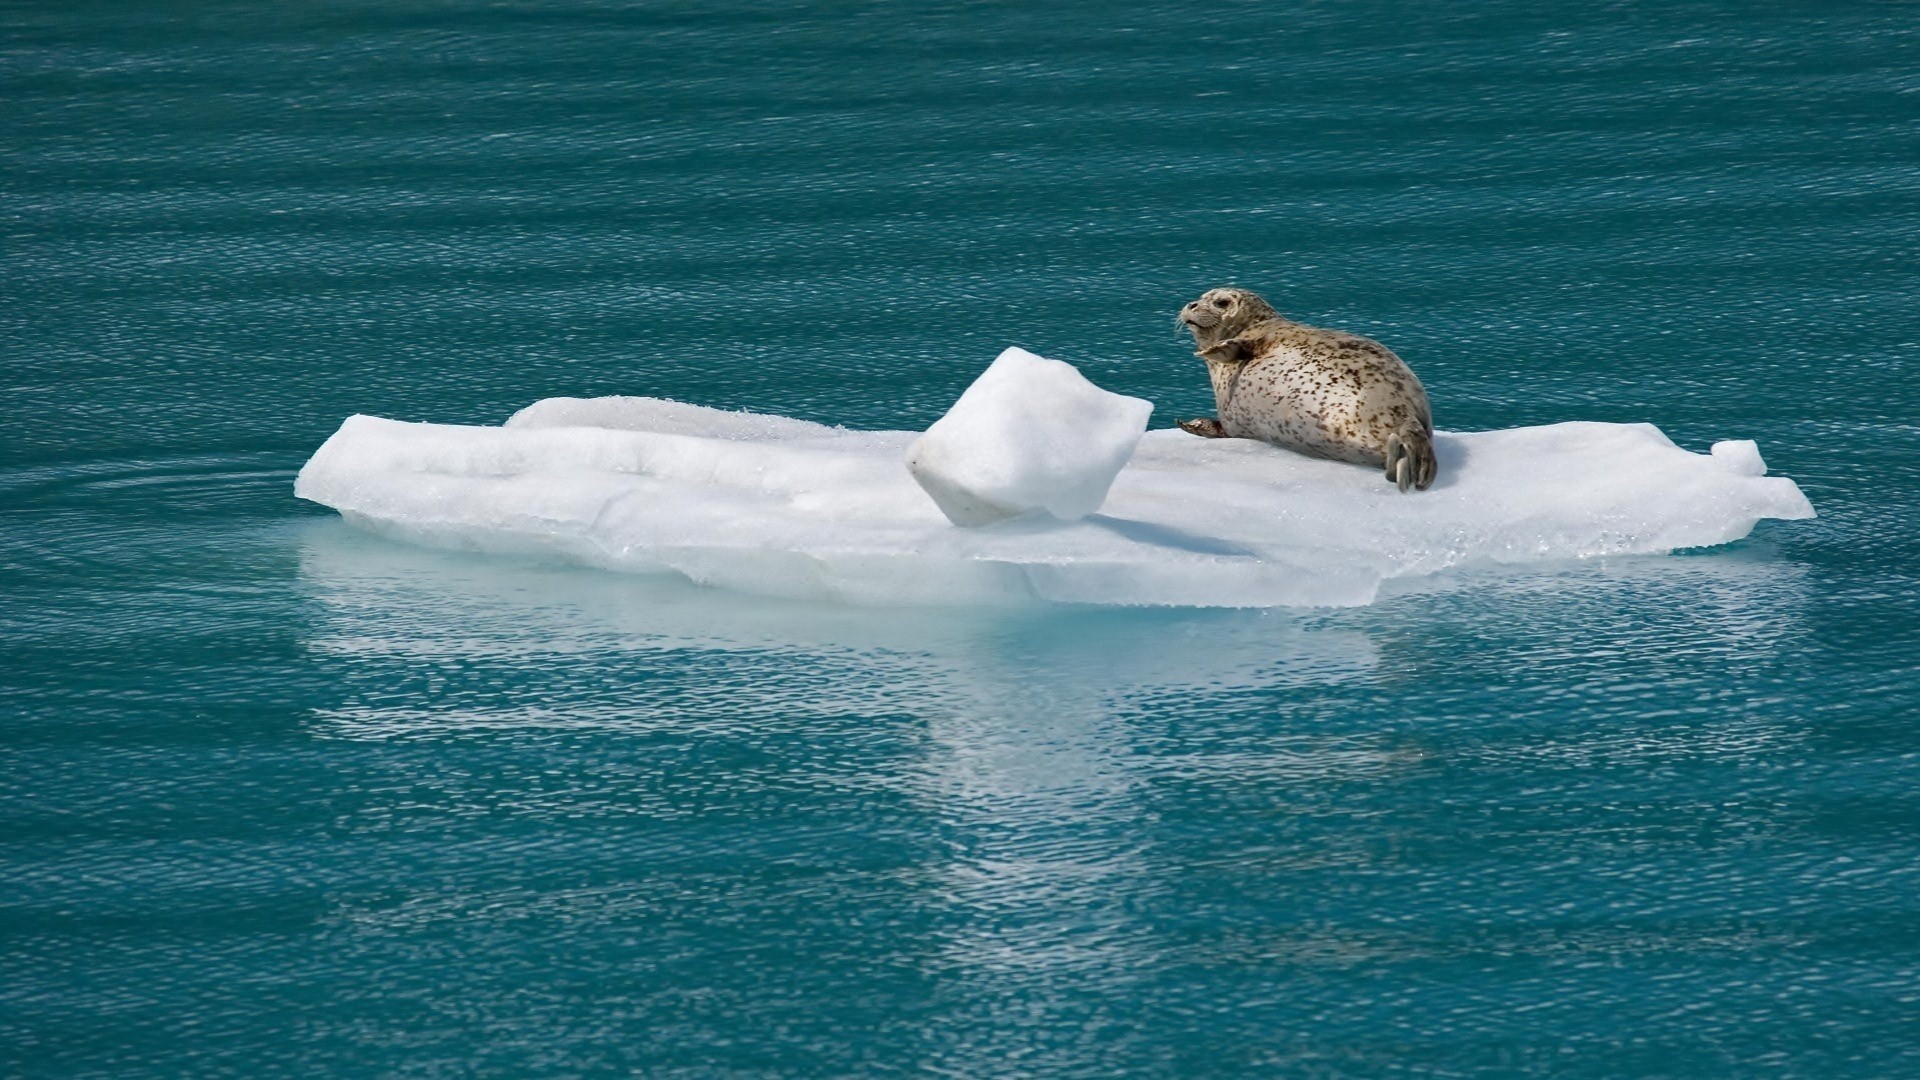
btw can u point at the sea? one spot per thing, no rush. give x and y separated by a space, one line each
280 798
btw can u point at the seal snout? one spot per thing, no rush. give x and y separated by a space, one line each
1198 316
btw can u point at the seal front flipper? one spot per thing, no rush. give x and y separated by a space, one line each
1232 350
1205 426
1410 460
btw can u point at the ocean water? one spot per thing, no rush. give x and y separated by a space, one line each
279 798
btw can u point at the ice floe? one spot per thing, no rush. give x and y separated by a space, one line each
779 506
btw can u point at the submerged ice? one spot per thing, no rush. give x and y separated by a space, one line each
773 505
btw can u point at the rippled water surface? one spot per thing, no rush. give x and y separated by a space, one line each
280 798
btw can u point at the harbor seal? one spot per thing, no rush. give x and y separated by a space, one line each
1326 393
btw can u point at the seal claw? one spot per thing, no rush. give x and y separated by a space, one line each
1204 426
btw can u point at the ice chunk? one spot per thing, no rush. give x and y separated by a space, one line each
1739 456
777 506
1029 434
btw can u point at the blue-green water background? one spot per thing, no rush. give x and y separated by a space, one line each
276 798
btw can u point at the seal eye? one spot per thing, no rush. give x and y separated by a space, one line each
1222 303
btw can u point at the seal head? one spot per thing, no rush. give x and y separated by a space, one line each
1223 313
1327 393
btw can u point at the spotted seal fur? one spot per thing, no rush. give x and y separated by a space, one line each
1326 393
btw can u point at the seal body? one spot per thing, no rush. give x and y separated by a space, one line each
1327 393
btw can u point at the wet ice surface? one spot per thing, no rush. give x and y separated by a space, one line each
776 506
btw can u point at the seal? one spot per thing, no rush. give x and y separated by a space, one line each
1326 393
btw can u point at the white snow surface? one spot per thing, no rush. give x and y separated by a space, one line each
1030 435
773 505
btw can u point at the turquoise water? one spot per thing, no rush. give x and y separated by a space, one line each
280 798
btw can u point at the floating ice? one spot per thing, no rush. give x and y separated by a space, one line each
772 505
1029 434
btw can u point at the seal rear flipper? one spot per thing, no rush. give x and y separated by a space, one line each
1410 460
1205 426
